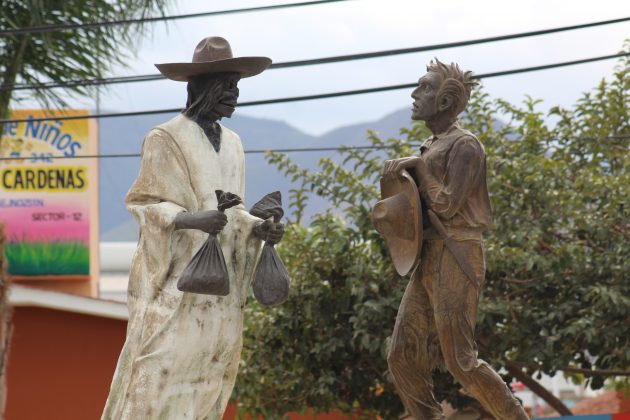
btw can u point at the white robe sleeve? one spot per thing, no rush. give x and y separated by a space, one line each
161 191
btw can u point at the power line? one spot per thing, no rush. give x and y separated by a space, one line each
325 60
321 95
400 51
289 150
73 26
255 151
84 82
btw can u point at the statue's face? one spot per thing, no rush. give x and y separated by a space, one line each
228 95
424 104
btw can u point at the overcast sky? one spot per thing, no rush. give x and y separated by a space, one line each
368 25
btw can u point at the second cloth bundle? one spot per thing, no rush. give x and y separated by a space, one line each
271 280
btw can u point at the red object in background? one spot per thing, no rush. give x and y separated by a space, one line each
622 416
518 386
605 403
60 364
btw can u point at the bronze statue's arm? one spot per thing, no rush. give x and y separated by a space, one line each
209 221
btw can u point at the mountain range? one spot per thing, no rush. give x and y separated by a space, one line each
124 136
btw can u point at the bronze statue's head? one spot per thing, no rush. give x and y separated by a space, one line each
212 96
443 91
212 77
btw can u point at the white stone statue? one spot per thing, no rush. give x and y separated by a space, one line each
182 351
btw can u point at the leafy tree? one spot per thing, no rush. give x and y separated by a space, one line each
69 54
556 295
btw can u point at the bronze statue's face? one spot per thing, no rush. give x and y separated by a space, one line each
228 95
424 104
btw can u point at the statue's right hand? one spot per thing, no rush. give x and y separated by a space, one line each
209 221
212 221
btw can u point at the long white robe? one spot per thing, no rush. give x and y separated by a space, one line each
182 351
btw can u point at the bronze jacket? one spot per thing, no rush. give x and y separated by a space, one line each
456 188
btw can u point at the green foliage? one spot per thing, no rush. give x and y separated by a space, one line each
69 54
556 291
324 348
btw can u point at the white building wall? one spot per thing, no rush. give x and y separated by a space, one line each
115 258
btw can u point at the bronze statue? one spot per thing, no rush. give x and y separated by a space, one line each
436 320
183 349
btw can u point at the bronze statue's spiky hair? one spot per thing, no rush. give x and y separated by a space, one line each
455 83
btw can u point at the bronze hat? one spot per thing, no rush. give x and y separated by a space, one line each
398 218
214 55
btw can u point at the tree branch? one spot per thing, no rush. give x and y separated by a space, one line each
538 389
597 372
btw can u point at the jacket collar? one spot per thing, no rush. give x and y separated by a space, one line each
428 142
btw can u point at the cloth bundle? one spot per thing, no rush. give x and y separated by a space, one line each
207 273
271 280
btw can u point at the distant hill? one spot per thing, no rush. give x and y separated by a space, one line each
124 135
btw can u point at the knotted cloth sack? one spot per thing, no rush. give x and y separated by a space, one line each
206 273
271 280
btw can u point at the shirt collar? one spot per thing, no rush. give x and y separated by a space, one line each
453 126
428 142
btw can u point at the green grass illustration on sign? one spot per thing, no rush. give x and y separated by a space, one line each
48 258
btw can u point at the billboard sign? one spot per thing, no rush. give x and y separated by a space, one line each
49 196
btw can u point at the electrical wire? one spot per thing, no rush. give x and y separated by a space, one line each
425 48
316 61
321 95
289 150
73 26
256 151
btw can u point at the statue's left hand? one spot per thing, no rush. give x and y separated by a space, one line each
269 231
395 166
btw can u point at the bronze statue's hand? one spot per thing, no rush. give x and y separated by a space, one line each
269 231
394 167
209 221
276 234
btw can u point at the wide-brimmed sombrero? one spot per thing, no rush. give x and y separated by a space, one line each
214 55
398 218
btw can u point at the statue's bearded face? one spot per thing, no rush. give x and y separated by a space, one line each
212 97
227 94
425 106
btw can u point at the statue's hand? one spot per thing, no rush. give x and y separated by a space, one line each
209 221
395 166
269 231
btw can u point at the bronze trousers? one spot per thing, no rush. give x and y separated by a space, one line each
435 327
